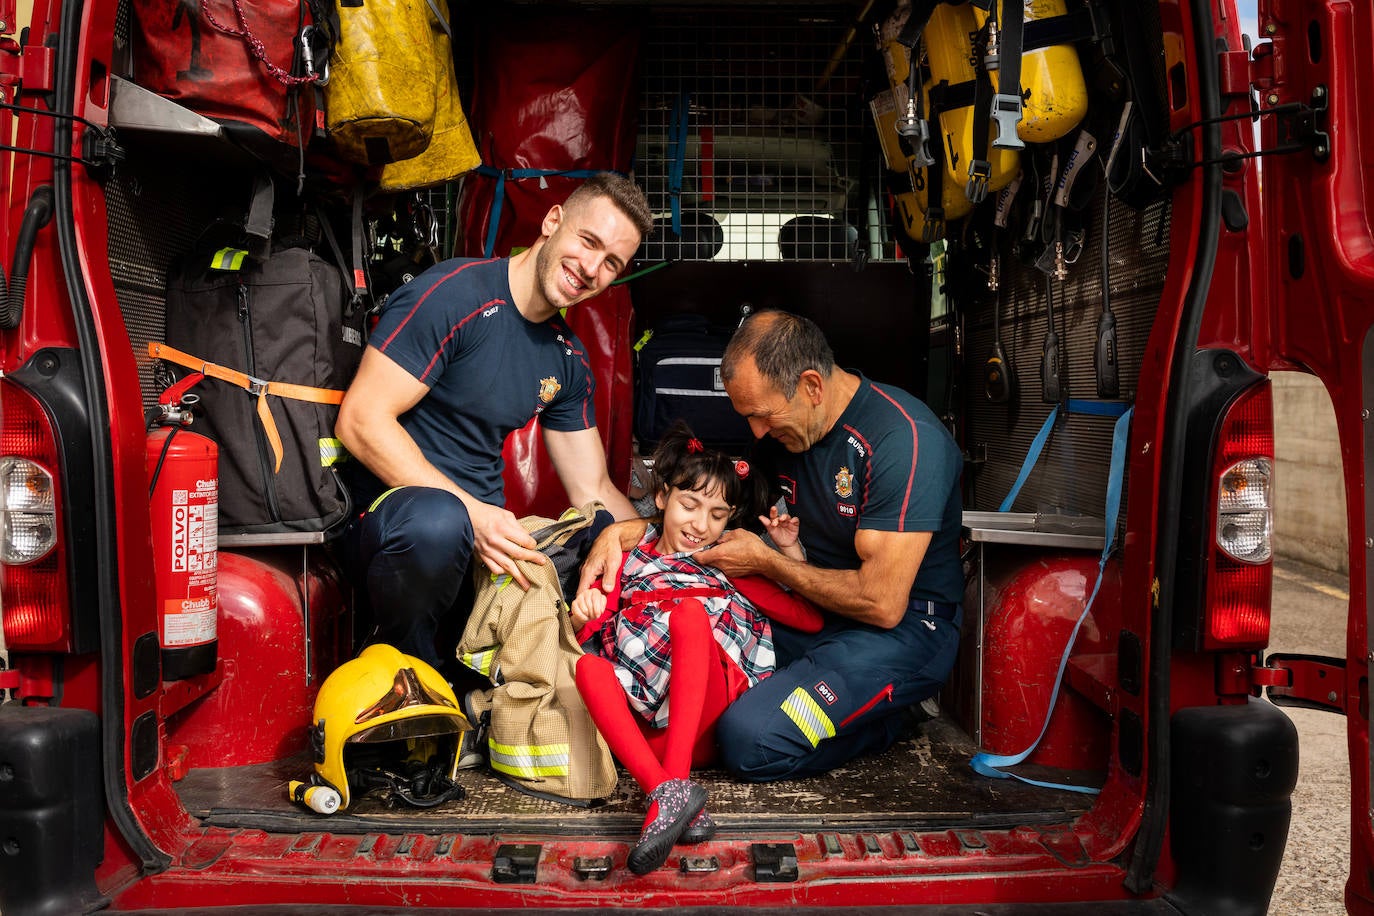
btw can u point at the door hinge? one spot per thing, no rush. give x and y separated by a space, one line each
36 69
1307 681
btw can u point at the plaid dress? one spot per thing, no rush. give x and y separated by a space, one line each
636 639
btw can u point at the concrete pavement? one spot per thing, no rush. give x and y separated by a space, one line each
1310 608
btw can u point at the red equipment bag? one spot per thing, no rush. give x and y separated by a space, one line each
555 95
242 63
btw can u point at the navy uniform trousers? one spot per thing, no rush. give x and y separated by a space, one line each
837 694
410 552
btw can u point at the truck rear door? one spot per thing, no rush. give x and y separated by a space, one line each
1315 76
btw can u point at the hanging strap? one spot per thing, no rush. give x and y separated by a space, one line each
979 165
678 151
258 226
356 279
1006 104
260 388
1082 407
988 764
502 175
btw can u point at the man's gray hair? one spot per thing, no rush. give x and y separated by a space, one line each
782 345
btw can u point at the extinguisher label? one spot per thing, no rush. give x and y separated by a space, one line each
189 619
195 530
188 622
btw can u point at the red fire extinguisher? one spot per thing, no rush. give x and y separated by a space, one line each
183 491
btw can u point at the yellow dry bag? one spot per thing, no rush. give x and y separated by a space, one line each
382 91
451 151
910 145
949 42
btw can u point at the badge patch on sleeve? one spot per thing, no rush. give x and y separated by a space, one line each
825 693
548 388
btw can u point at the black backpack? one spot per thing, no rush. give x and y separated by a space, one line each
292 321
678 377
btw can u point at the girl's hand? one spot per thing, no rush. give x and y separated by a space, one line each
782 529
586 607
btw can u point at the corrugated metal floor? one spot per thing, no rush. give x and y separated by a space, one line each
921 783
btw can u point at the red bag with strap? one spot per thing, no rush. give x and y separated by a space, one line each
239 62
555 93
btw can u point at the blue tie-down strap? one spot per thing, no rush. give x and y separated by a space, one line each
678 153
988 764
499 198
1084 407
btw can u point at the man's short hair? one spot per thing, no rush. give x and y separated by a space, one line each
783 346
627 196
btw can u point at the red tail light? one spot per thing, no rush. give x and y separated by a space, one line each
33 591
1240 566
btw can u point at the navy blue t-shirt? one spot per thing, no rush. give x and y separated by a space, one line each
489 369
887 464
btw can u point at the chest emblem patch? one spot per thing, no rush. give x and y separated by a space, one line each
844 483
548 387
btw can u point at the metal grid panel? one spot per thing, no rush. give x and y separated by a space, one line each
1071 476
766 164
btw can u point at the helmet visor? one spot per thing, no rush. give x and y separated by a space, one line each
406 691
411 727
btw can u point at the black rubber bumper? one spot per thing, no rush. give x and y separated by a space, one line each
51 811
1234 769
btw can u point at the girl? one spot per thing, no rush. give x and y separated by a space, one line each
678 634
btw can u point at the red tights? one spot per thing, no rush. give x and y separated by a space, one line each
697 695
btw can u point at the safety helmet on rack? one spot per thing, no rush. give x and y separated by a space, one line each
388 720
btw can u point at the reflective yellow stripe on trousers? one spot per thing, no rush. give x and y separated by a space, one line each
529 760
808 716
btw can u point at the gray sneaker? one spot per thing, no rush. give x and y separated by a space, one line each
472 747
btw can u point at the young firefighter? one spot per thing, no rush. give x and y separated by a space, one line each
676 634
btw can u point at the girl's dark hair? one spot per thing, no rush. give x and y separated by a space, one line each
677 464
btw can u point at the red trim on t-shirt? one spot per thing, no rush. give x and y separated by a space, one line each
911 475
454 330
425 295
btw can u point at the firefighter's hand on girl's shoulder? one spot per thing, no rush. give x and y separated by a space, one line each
737 553
499 541
587 606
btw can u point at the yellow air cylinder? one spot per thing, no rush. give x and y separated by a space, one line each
948 39
913 207
1055 97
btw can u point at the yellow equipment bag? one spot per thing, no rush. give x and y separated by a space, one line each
451 150
1055 97
382 91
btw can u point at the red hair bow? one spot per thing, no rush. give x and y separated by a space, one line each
742 469
694 446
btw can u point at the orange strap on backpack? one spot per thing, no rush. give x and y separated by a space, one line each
261 388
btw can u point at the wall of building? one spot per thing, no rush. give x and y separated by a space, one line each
1309 508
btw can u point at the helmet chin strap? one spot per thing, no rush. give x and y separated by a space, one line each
428 787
